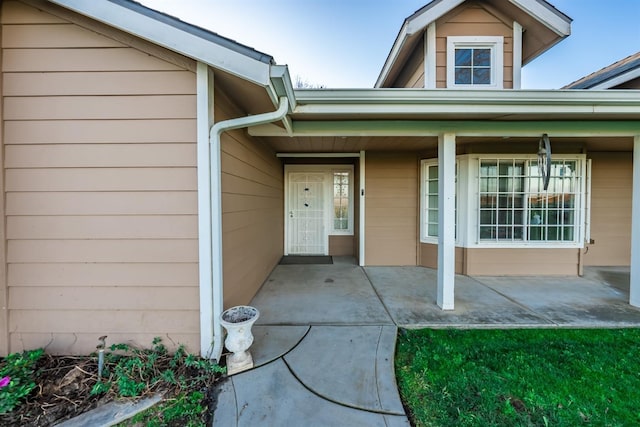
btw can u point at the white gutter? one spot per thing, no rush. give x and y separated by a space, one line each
217 286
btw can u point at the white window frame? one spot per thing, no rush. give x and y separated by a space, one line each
424 201
328 170
494 43
349 231
474 208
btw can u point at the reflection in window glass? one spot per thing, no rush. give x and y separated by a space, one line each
514 207
430 213
341 200
472 66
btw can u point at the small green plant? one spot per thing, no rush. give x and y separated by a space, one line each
181 377
17 378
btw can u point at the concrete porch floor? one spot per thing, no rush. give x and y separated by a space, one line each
325 340
346 294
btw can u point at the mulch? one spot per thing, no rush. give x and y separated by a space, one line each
63 392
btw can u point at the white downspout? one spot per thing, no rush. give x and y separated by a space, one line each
216 209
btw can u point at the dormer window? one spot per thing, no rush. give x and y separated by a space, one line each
475 62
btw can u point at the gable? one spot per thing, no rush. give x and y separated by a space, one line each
541 26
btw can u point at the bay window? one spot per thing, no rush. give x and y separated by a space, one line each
500 201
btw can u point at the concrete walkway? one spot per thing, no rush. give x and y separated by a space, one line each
325 341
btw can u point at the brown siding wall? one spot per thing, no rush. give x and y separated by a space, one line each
471 20
412 75
429 257
391 208
611 182
101 191
341 245
521 262
252 209
506 262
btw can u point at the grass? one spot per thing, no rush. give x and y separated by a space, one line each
530 377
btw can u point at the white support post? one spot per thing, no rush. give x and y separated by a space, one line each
634 285
430 57
517 55
361 236
446 220
204 100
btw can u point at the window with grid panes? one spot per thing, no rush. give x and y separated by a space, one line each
514 207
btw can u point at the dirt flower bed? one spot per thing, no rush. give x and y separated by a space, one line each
40 389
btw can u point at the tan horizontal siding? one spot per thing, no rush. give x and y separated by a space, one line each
103 203
100 131
391 212
341 245
611 188
252 205
101 186
53 35
103 227
99 156
521 262
472 20
96 321
111 251
100 107
68 343
55 60
16 12
101 179
99 83
429 257
101 298
93 274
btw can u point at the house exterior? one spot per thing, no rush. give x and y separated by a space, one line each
156 172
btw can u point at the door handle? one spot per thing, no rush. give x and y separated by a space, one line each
290 214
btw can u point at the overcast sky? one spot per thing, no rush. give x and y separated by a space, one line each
344 43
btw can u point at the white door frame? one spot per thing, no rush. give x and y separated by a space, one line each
328 197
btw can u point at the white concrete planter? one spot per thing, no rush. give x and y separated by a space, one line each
238 322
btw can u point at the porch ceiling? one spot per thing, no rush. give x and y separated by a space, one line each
428 145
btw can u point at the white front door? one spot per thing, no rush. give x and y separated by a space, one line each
306 232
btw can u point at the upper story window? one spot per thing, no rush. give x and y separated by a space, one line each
475 62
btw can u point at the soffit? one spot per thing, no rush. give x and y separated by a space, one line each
428 145
249 97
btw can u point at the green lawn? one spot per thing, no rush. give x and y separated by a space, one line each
523 377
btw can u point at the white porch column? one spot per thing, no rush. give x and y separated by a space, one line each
204 100
361 216
446 219
634 288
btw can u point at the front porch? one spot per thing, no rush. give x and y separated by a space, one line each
346 294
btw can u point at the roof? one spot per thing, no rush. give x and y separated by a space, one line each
612 75
179 36
537 12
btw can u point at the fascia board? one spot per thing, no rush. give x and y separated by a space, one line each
464 96
420 21
415 23
172 38
553 20
467 128
617 80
